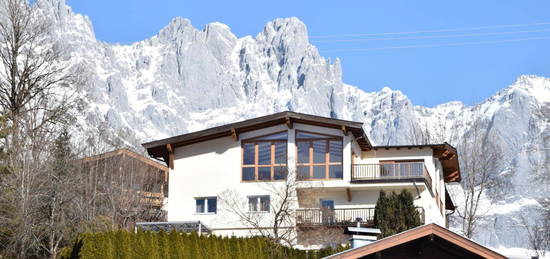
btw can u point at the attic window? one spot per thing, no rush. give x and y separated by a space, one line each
265 157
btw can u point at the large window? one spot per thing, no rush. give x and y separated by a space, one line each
258 203
265 158
319 156
206 205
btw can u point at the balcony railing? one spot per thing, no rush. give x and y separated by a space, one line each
328 216
395 171
340 217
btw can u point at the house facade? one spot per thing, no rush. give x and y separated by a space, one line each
234 178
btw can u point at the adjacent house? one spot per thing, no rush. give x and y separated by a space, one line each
237 179
129 186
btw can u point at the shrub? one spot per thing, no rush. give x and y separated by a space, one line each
147 244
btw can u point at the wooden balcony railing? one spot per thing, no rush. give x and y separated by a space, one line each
396 171
340 217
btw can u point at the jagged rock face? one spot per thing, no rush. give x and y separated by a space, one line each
185 79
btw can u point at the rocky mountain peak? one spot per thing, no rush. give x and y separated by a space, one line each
186 79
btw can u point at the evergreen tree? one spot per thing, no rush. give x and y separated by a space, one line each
395 213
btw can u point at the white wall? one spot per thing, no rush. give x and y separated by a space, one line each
213 167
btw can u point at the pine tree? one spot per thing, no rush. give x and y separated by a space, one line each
395 213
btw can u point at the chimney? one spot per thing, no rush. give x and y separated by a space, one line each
362 236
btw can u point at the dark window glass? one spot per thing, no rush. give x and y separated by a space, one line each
248 154
303 172
253 203
303 152
212 205
264 173
199 205
336 171
264 155
280 172
319 172
327 204
335 150
264 202
280 152
248 173
319 151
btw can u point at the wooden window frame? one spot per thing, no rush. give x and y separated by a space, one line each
327 162
272 165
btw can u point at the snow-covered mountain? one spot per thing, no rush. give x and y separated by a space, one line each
186 79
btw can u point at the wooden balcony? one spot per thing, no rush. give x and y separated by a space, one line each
390 172
340 217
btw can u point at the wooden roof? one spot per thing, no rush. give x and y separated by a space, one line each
127 152
427 241
446 153
159 148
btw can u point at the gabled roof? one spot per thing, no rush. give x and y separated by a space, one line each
159 149
427 241
445 152
127 152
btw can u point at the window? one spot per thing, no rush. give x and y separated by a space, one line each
258 203
264 158
319 156
327 204
206 205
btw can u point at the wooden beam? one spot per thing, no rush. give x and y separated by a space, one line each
441 153
348 191
288 122
234 135
452 156
170 156
344 130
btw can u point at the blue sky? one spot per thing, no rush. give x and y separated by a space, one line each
466 65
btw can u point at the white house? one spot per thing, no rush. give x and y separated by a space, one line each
222 174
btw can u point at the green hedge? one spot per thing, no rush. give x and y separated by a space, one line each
146 244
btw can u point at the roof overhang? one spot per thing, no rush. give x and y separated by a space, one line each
159 149
446 154
124 152
424 238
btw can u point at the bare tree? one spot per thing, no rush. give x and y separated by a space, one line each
538 230
479 159
56 219
117 188
279 223
31 79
